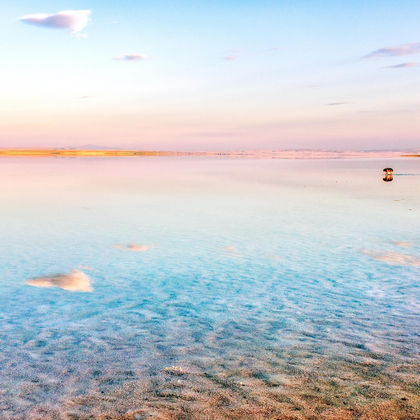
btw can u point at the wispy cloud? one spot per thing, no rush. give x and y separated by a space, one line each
231 57
132 57
71 20
403 66
337 103
396 51
232 54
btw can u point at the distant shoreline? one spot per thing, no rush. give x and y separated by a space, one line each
252 154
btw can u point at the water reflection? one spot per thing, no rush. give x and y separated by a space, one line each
255 300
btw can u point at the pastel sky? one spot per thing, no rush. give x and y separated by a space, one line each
208 75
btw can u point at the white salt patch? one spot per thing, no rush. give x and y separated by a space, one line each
405 244
134 247
75 281
394 258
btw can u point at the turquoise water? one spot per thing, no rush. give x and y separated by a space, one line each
260 287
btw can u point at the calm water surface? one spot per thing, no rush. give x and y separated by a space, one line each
256 289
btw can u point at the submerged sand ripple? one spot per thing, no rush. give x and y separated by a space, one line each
75 281
296 387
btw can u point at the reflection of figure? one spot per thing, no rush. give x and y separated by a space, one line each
388 174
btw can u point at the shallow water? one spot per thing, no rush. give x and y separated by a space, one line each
220 288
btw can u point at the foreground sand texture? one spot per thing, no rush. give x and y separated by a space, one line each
292 384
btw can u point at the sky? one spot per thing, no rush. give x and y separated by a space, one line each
210 75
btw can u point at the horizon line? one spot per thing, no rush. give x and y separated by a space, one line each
261 154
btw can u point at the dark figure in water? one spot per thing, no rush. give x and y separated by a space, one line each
388 174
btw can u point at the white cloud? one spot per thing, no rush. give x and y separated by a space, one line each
132 57
337 103
72 20
403 66
231 57
396 51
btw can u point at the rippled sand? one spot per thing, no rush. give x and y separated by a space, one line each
293 383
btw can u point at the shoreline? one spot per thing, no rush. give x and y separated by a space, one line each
251 154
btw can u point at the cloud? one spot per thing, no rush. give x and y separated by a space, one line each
72 20
337 103
232 54
399 50
132 57
403 66
231 57
75 281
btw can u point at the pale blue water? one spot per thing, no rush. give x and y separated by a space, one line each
261 266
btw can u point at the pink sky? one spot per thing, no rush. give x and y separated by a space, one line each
222 76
